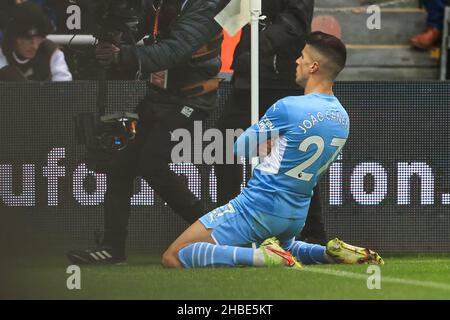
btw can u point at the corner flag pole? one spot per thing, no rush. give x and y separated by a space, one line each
255 12
235 15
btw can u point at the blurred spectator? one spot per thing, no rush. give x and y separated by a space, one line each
25 54
433 34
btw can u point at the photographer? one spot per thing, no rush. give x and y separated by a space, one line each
181 58
25 53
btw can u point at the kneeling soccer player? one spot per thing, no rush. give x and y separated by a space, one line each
308 132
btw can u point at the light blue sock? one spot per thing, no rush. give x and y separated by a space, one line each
202 254
309 253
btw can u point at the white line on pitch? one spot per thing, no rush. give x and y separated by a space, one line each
352 275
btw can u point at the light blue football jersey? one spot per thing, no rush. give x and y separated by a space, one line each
308 133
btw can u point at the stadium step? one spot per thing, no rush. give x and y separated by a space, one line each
390 56
379 54
397 24
390 62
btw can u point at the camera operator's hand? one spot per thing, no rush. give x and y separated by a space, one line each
107 54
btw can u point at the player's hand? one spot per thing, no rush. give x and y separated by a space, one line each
107 53
265 148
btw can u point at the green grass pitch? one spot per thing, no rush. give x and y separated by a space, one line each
403 277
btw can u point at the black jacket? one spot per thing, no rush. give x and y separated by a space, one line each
185 27
282 37
38 69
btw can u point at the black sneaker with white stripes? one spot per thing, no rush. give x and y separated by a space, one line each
99 255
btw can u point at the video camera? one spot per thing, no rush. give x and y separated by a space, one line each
104 137
110 21
113 16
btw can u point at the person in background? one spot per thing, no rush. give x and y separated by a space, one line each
433 33
25 53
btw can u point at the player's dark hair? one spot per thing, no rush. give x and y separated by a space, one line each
332 48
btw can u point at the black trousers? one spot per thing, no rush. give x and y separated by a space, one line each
149 158
237 114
